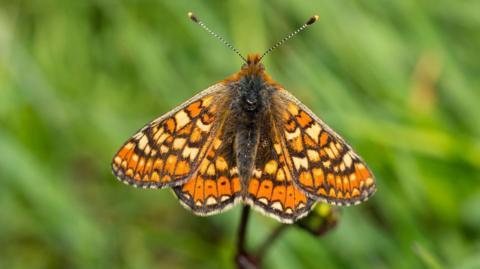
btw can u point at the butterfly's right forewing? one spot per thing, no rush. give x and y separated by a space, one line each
169 150
322 164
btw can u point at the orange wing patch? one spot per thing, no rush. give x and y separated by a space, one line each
167 151
215 186
271 189
322 164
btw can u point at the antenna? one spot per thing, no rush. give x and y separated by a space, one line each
310 21
199 22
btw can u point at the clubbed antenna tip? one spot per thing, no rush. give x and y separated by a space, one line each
310 21
192 17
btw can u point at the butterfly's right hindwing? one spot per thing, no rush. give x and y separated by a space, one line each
271 189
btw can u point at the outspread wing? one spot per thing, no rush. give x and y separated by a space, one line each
322 164
168 151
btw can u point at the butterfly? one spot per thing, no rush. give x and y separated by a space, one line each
245 140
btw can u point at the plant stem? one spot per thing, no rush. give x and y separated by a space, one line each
243 258
243 229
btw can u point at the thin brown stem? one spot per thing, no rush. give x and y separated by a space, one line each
243 259
242 229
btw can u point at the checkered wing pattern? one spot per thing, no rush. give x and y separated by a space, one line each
321 163
215 186
271 189
168 151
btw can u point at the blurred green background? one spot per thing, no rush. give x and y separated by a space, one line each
399 79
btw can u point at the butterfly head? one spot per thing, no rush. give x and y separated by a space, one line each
253 66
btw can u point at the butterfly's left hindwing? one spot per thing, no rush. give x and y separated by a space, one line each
322 164
215 187
168 150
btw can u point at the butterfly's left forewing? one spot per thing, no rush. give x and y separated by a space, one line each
169 150
322 164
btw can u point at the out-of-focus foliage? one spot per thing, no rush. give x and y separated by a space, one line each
399 79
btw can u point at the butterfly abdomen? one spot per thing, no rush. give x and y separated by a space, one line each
249 107
245 147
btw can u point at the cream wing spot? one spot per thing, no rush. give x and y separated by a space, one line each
277 206
257 173
313 155
142 142
178 143
148 149
233 171
182 119
190 152
347 159
211 201
164 149
291 136
314 131
203 127
299 162
263 201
